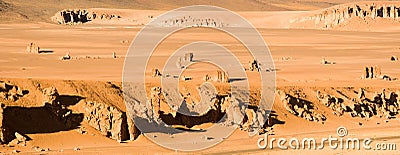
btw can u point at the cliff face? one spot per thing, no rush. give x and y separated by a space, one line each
338 15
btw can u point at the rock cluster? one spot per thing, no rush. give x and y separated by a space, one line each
380 105
334 103
337 15
371 72
184 61
189 21
300 107
19 140
10 92
107 119
374 72
32 48
220 77
76 16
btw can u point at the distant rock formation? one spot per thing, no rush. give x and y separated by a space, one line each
32 48
76 16
337 15
190 21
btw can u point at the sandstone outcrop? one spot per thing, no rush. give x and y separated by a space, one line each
300 107
184 61
107 119
10 92
371 72
156 72
190 21
341 14
6 134
334 103
32 48
254 66
222 77
76 16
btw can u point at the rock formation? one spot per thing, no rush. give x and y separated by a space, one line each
254 66
393 58
107 119
334 103
155 101
300 107
337 15
222 77
189 21
51 100
32 48
184 61
76 16
66 57
156 72
326 62
188 57
5 133
50 96
371 72
10 92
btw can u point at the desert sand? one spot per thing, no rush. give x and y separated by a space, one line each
317 49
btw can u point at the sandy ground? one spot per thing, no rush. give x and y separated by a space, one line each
297 54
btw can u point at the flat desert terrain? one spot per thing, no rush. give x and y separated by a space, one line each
61 79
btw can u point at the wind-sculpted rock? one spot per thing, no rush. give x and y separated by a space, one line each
300 107
76 16
190 21
156 72
254 66
222 77
32 48
372 72
107 119
341 14
11 92
334 103
185 60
